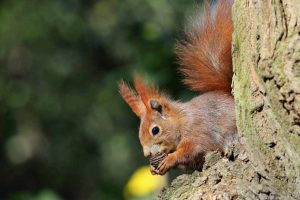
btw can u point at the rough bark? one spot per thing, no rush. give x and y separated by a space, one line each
231 177
266 87
266 55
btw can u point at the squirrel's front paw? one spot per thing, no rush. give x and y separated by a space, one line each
153 170
166 164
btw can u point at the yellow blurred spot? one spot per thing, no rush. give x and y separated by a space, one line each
143 183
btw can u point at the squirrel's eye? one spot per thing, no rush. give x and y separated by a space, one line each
155 130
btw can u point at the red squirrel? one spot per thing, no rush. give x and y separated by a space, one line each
185 131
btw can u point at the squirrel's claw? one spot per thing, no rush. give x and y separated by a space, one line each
153 170
166 164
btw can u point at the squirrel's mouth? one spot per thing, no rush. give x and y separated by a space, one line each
161 149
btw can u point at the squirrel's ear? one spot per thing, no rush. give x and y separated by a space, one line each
146 92
155 105
131 98
161 106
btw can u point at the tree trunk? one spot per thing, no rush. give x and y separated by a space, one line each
266 87
266 55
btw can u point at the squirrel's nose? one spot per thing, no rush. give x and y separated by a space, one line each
146 151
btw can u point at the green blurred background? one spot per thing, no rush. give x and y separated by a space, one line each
65 132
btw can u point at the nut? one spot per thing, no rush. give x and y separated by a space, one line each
156 159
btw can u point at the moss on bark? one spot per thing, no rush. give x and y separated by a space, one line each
266 52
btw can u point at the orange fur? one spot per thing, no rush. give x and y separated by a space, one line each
132 99
146 92
205 55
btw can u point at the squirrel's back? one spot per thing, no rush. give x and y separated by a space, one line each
205 54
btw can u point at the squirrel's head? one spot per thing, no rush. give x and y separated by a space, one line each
160 116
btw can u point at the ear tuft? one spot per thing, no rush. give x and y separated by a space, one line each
145 91
131 98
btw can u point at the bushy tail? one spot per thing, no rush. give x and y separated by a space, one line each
205 54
